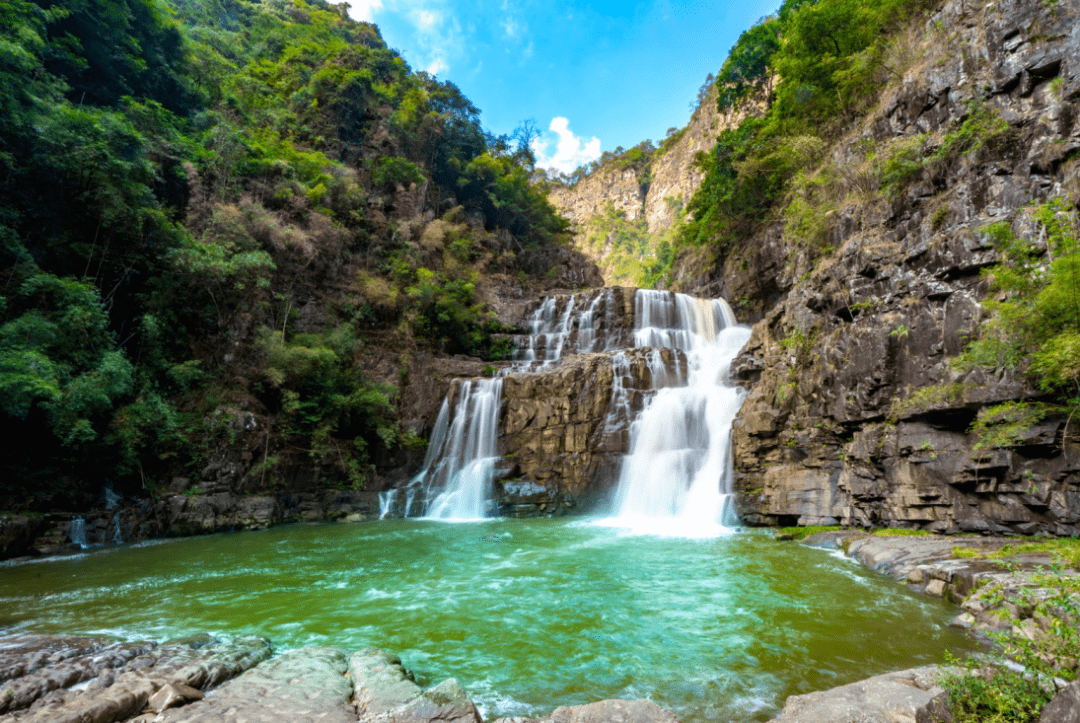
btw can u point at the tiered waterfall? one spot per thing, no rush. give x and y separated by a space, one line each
677 468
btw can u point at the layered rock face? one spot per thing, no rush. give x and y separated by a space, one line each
565 429
673 176
855 414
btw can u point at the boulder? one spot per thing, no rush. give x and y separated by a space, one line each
885 698
1065 707
384 692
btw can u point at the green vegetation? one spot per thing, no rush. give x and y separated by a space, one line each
1064 551
925 399
1035 323
830 59
631 255
176 178
988 690
801 533
898 532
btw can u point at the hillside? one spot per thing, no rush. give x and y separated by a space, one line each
903 229
231 230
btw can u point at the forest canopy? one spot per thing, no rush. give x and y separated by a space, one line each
157 161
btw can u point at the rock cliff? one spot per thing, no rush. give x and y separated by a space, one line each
854 413
653 193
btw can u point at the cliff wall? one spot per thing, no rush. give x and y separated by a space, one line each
854 413
653 193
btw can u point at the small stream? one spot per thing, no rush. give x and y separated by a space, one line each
527 614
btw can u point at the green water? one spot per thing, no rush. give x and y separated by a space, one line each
556 613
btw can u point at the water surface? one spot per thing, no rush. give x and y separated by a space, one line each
528 615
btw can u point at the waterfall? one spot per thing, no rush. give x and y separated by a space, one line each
677 476
460 464
386 503
78 532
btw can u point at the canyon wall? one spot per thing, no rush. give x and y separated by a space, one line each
855 414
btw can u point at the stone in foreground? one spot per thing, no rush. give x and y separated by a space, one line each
300 686
1065 707
604 711
386 693
889 698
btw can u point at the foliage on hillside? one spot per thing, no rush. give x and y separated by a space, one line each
166 170
1034 323
831 58
631 256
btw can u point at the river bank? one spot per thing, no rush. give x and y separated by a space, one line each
1000 585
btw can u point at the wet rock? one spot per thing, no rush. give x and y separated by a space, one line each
17 534
565 429
611 711
881 699
32 666
301 686
197 662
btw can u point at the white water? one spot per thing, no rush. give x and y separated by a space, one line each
677 478
458 472
78 532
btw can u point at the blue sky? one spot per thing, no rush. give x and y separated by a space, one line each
593 76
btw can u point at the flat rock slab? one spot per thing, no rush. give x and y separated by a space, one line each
604 711
612 711
889 698
301 686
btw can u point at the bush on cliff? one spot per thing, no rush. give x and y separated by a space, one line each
1034 323
830 59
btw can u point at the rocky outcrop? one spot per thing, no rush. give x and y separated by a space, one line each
55 679
995 593
889 698
563 430
385 692
855 414
671 177
655 191
301 685
42 675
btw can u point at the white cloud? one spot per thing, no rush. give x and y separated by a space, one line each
425 20
437 66
571 151
364 10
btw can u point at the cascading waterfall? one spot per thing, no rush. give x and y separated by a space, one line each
678 472
677 477
456 479
460 463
